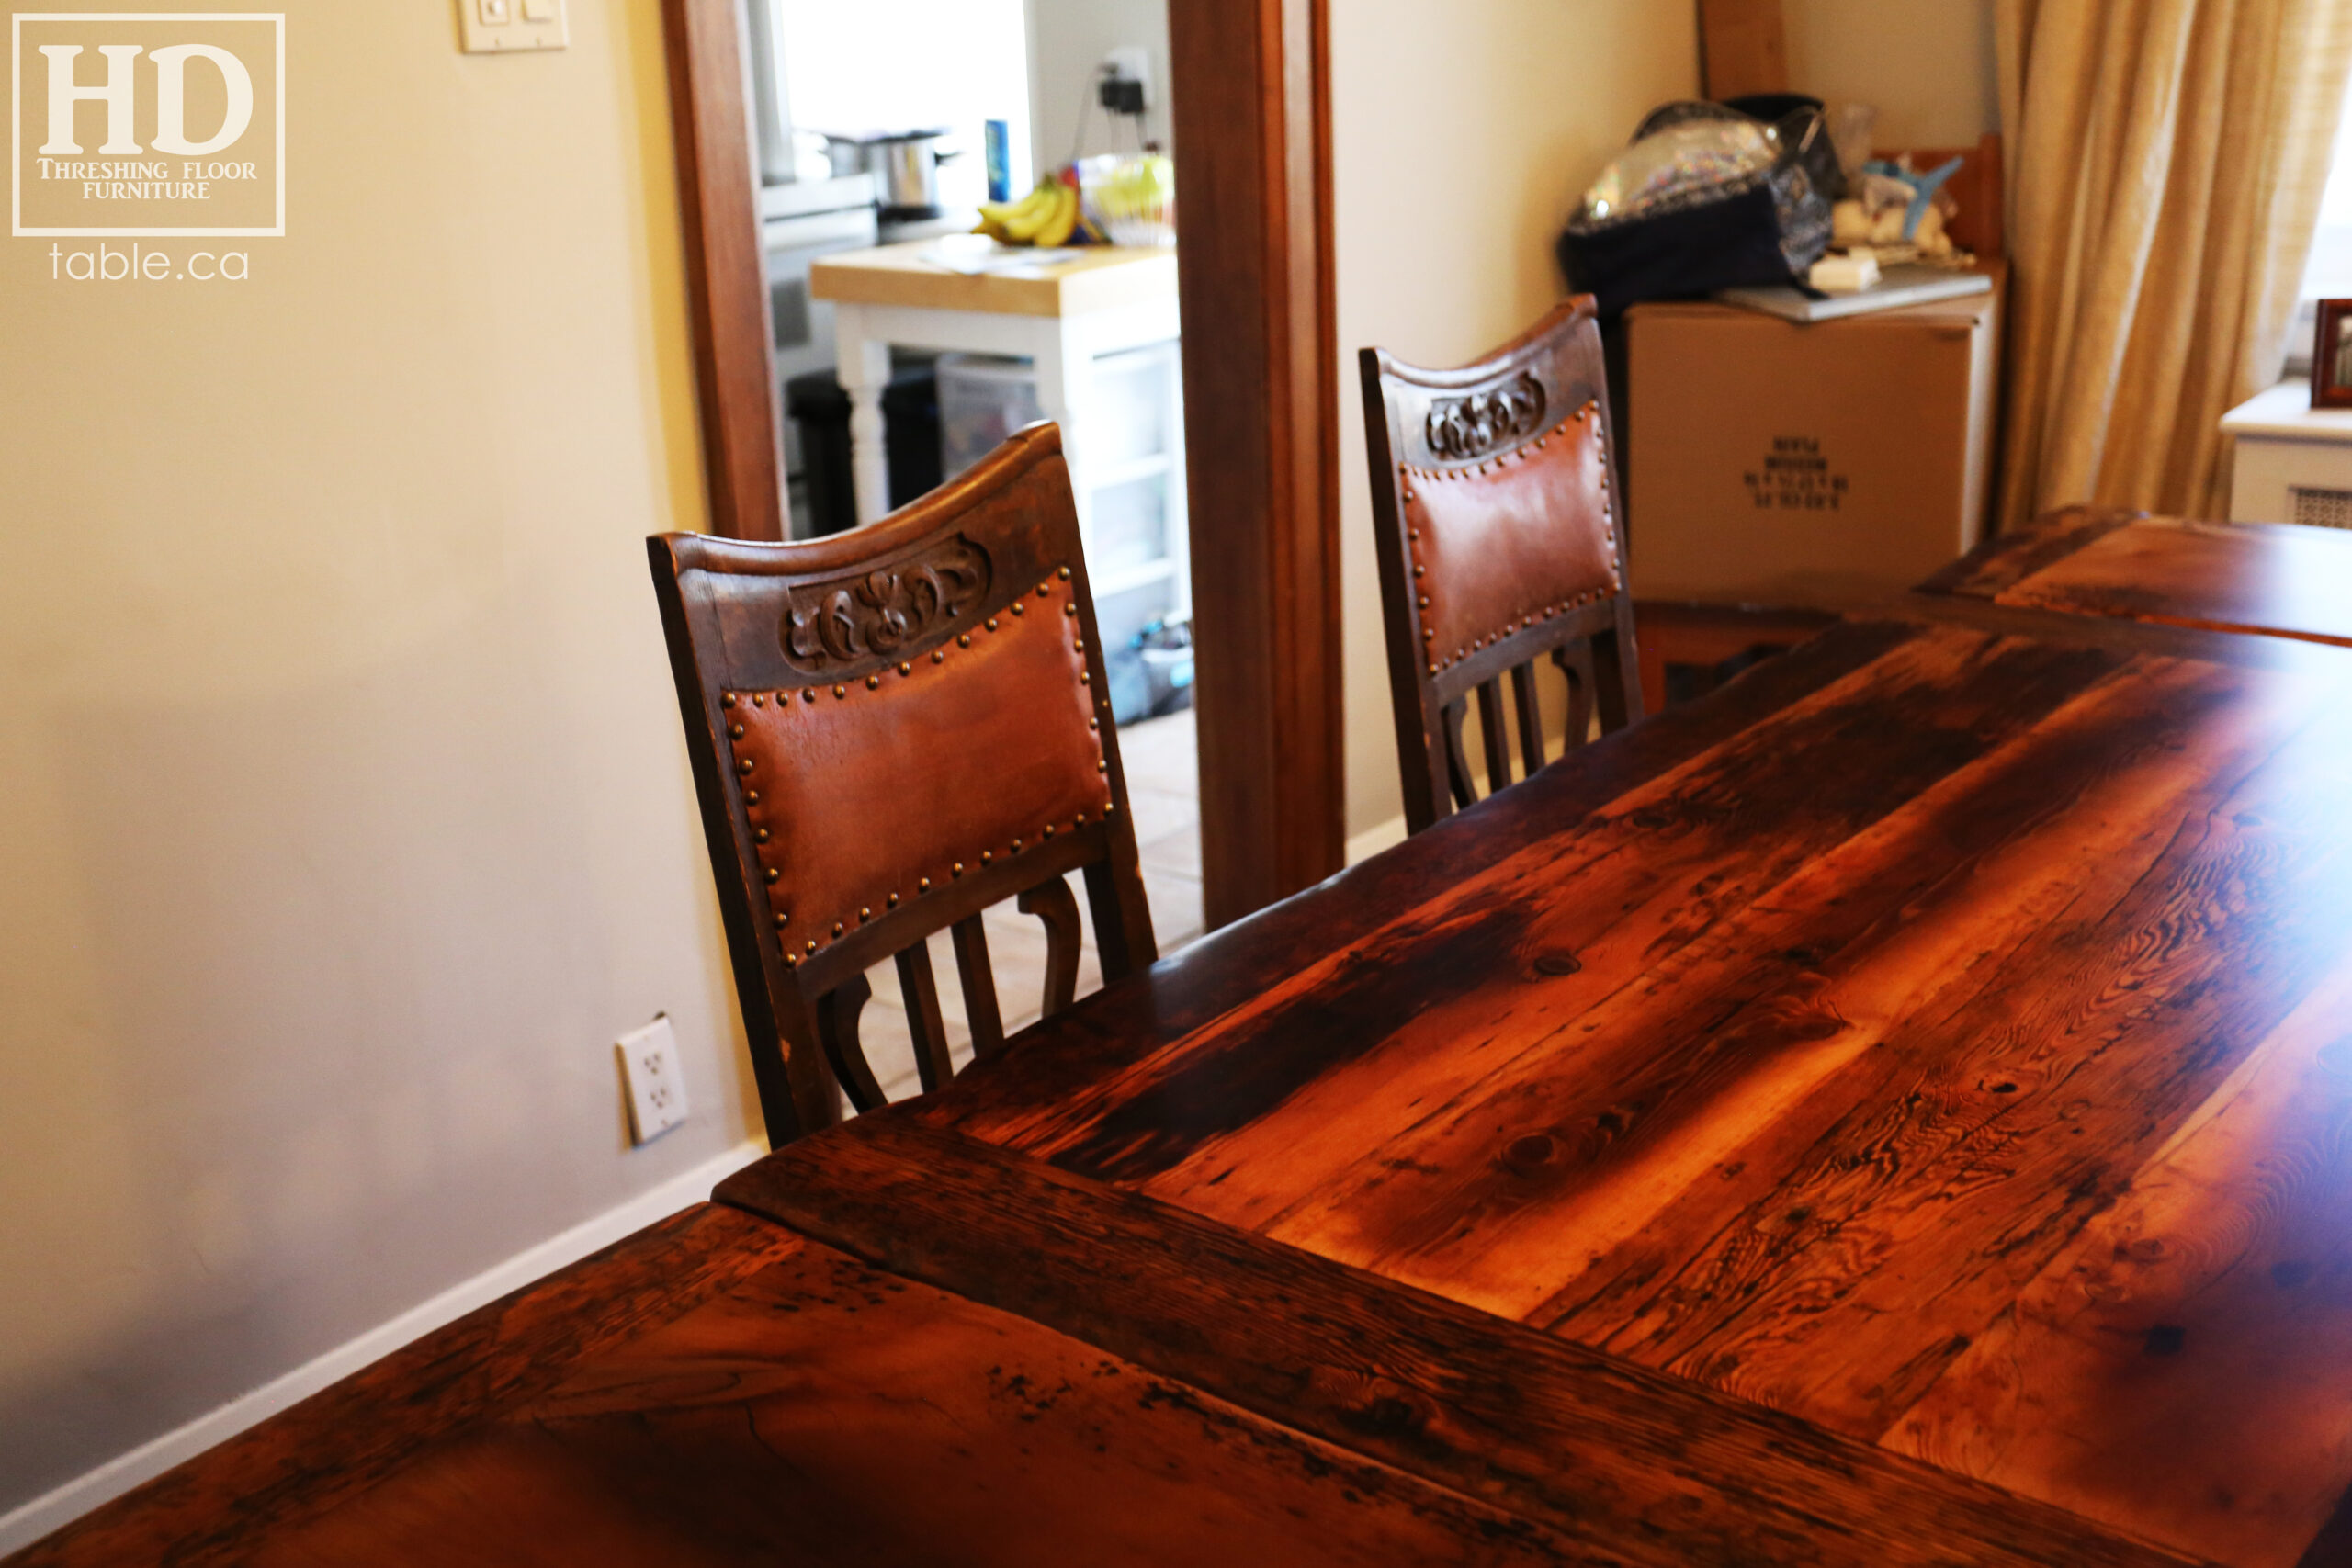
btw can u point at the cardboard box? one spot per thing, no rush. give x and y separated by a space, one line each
1831 464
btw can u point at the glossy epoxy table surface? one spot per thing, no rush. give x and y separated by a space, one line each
1898 1109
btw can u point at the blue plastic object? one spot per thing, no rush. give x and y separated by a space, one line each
997 138
1923 188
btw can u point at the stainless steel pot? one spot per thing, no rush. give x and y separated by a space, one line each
905 165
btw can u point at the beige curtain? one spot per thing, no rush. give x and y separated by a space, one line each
2165 159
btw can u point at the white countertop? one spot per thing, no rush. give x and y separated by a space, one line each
2284 413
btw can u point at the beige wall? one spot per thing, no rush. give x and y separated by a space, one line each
1927 64
343 817
1068 39
1462 137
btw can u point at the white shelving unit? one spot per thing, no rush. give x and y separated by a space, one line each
1082 324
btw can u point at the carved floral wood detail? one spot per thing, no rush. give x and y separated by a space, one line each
1462 428
875 615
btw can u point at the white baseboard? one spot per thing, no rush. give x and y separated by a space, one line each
1371 840
22 1526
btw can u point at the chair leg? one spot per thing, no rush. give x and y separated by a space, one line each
837 1014
1054 908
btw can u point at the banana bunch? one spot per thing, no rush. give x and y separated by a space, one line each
1047 216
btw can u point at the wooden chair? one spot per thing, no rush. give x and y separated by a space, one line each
1702 642
892 729
1492 492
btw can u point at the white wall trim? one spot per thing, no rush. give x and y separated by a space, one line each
22 1526
1373 839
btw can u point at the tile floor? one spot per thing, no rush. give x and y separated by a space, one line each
1163 793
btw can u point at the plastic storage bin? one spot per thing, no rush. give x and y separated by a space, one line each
983 398
1130 504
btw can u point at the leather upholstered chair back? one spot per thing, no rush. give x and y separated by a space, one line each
893 728
1500 543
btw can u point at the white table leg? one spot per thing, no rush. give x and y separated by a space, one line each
1064 393
863 365
1180 497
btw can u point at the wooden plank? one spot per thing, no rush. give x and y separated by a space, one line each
1742 47
2002 561
1261 439
2274 579
1121 1023
1788 1090
1637 1468
2209 1299
1100 279
314 1458
1987 1125
726 270
1628 1096
811 1411
822 1412
2150 639
1125 1024
1370 1025
2271 579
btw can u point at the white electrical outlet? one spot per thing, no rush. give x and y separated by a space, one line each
512 26
657 1089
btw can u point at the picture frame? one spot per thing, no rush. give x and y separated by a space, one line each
2332 355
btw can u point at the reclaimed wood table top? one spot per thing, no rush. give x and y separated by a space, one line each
1898 1109
1940 1035
2277 579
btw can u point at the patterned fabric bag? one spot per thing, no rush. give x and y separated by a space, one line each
1706 197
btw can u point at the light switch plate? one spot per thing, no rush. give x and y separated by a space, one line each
512 27
657 1089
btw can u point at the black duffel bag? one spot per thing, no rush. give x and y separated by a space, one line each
1706 197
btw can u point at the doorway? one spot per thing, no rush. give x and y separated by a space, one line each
1249 113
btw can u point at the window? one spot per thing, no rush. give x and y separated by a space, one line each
907 65
2328 273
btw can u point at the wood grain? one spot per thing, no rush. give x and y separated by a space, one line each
1252 114
2204 1300
1790 1062
2277 579
313 1460
2001 562
821 1412
1136 1018
1636 1468
1742 47
726 270
782 1404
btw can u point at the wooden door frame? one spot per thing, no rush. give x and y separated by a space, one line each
1251 84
